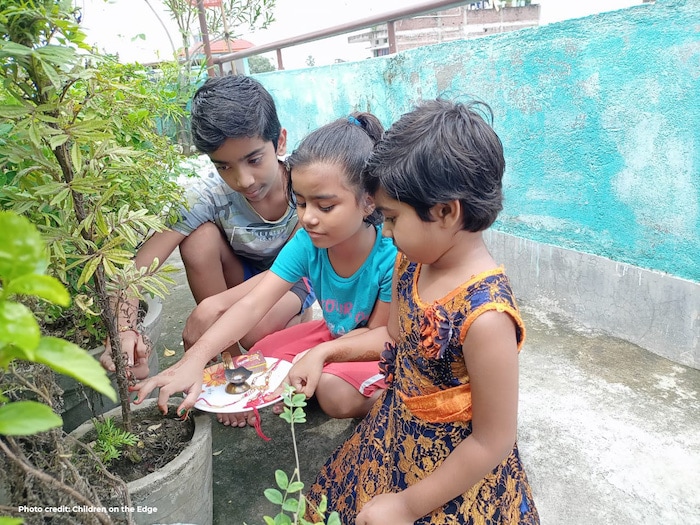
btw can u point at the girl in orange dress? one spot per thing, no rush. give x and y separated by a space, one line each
439 445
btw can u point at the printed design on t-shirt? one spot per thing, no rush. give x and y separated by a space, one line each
336 309
218 205
257 237
249 235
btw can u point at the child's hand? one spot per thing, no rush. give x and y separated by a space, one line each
385 508
183 376
305 373
136 351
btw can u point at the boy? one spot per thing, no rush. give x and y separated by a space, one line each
238 218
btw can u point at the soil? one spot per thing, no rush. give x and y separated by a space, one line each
161 439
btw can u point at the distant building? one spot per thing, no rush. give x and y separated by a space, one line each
469 21
221 47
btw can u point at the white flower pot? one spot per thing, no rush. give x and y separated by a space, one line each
179 492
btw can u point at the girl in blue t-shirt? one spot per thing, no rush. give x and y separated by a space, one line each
349 265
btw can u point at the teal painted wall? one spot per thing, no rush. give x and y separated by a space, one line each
599 117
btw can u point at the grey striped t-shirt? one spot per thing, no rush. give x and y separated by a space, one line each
258 240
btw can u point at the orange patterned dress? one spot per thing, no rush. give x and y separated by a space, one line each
426 412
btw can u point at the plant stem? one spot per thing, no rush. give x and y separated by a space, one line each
51 481
165 28
11 511
62 154
297 470
41 393
108 314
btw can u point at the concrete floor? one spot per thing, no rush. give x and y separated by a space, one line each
609 433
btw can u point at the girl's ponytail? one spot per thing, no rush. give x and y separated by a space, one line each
347 142
369 123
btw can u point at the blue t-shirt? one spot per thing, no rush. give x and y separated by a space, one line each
346 302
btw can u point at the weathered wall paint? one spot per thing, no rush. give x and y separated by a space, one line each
599 116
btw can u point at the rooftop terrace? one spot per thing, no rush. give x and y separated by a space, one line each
609 433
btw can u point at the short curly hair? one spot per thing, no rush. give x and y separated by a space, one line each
440 152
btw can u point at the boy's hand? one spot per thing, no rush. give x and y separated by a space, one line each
136 351
183 376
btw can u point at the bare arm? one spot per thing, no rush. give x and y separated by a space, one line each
361 344
490 352
212 308
186 374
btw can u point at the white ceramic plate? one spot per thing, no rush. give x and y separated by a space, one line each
214 397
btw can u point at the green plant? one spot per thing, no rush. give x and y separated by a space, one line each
23 262
111 440
176 84
260 64
289 492
82 159
222 22
80 147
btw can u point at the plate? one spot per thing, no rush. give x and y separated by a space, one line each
214 397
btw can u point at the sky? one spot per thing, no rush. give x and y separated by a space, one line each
132 29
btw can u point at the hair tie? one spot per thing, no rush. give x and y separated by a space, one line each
353 120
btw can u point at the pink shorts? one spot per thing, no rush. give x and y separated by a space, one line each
286 344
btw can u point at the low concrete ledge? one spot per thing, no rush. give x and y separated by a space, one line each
656 311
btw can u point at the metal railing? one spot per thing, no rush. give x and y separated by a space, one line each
388 18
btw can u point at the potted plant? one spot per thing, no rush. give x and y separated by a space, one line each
83 160
22 265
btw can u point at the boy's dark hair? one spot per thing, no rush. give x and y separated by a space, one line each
346 142
232 107
440 152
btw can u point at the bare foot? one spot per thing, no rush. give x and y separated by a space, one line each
278 408
240 419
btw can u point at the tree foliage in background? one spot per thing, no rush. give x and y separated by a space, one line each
222 22
260 64
185 16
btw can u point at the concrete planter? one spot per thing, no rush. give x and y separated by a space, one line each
179 492
80 403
